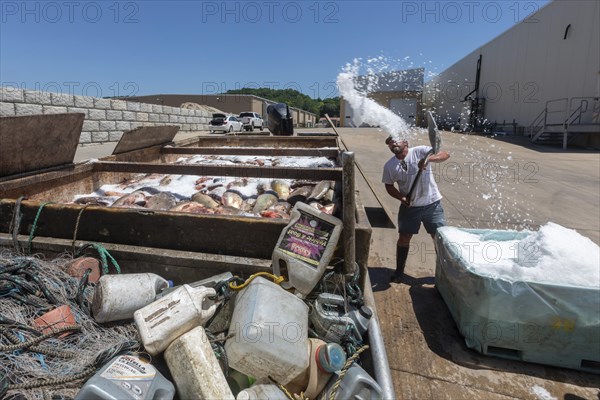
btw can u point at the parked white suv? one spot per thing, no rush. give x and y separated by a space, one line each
251 120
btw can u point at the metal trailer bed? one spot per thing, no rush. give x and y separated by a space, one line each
185 247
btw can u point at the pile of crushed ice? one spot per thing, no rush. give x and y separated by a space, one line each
553 255
267 161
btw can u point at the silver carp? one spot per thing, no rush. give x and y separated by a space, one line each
133 198
299 194
163 201
320 190
264 201
231 199
94 201
205 200
166 180
192 207
281 188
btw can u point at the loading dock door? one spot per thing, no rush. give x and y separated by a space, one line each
406 108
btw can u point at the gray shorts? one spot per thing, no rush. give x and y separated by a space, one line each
410 218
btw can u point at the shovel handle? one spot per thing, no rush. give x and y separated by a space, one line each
414 184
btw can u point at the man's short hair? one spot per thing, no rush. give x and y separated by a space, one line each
389 139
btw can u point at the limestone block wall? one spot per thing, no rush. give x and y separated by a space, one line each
105 119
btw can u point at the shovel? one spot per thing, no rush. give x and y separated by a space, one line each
436 143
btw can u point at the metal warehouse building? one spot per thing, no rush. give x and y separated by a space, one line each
229 103
540 78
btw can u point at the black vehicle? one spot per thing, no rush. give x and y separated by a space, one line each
280 121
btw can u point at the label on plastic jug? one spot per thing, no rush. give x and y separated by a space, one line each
126 369
307 238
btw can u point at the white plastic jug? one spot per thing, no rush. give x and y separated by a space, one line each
117 297
270 333
195 367
261 392
171 316
305 247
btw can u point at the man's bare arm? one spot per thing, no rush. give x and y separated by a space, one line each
395 193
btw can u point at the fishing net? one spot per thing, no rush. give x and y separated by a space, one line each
56 366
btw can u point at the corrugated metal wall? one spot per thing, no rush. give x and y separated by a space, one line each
528 65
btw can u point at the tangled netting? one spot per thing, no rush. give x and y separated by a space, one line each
47 366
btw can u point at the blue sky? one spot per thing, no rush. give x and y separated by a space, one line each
109 48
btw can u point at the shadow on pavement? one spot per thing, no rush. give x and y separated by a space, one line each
378 218
379 277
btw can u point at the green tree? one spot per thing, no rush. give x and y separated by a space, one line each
294 98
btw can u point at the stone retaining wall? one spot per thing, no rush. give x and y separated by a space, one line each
105 119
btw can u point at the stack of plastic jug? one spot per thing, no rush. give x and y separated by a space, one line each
305 247
269 330
333 323
174 314
127 377
325 359
195 367
117 297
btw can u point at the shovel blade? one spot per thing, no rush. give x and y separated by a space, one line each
434 135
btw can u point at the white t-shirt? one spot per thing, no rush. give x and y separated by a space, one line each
426 190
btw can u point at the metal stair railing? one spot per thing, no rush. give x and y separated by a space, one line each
549 112
576 115
534 128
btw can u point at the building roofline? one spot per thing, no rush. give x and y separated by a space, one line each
224 94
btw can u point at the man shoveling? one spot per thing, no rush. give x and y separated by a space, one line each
417 191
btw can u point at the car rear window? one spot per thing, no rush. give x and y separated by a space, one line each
246 114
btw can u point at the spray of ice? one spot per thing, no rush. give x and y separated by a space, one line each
367 110
502 180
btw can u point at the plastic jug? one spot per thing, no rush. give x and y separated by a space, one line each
127 377
357 384
270 333
195 367
305 247
333 323
261 392
171 316
325 358
117 297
